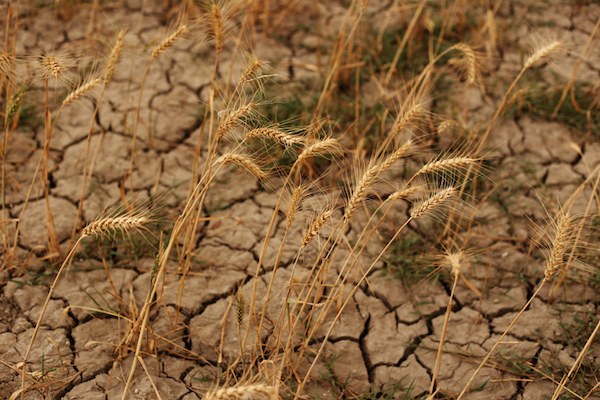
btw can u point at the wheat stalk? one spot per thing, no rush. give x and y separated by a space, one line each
168 42
109 225
244 162
113 58
315 227
81 90
434 201
248 392
541 52
283 138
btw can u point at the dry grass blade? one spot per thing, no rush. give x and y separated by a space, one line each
81 90
242 393
244 162
105 226
541 52
274 134
433 202
114 57
315 227
168 42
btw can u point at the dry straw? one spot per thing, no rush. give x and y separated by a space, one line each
433 202
168 42
81 90
248 392
244 162
269 133
315 227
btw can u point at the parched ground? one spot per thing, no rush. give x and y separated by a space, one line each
386 340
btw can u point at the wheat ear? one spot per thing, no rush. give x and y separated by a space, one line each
269 133
433 202
405 192
233 118
244 162
294 205
360 191
328 146
395 156
168 42
315 227
405 118
114 57
472 69
541 52
449 163
241 393
110 225
53 67
559 246
218 30
81 90
250 71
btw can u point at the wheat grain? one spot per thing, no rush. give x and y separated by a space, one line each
244 162
233 118
248 392
315 227
106 226
433 202
541 52
114 57
559 245
168 42
445 164
283 138
81 90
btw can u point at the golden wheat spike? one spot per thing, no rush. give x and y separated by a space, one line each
110 225
433 202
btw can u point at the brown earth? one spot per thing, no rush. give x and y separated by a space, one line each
386 341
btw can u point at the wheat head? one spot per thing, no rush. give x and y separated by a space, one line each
433 202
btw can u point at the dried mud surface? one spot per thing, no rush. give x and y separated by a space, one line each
389 334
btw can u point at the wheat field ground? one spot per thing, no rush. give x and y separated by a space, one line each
382 199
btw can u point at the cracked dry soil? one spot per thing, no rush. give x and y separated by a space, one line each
386 340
